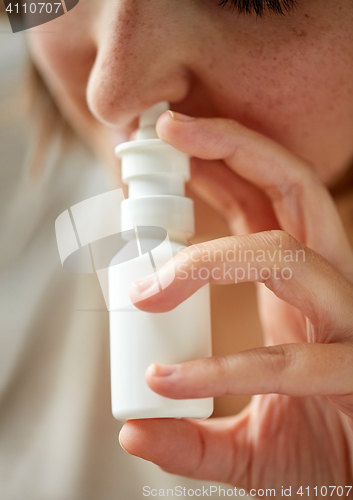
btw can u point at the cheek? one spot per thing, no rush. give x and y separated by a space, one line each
304 101
312 98
63 64
292 84
65 59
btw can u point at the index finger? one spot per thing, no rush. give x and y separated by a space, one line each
302 204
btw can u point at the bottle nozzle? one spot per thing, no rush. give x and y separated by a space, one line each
156 174
148 120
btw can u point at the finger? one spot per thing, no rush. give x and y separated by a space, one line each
244 206
290 369
215 449
299 198
293 272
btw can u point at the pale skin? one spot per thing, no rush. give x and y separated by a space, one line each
276 97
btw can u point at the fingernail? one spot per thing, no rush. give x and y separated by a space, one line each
121 444
162 370
178 117
145 283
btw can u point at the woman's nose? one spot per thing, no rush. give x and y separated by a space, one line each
142 56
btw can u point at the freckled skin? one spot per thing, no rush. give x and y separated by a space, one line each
290 78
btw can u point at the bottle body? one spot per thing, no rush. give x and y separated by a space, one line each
139 338
160 216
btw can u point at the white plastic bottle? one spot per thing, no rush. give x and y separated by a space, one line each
157 219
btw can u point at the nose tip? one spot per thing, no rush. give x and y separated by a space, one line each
136 66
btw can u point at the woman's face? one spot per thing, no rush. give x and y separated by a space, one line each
289 77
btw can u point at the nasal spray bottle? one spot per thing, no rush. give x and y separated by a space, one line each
156 219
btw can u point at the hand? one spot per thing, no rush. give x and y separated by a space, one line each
298 429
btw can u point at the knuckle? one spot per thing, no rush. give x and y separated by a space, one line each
194 252
278 360
303 177
187 256
221 365
283 240
208 251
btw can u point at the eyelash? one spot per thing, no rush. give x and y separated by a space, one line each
259 7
